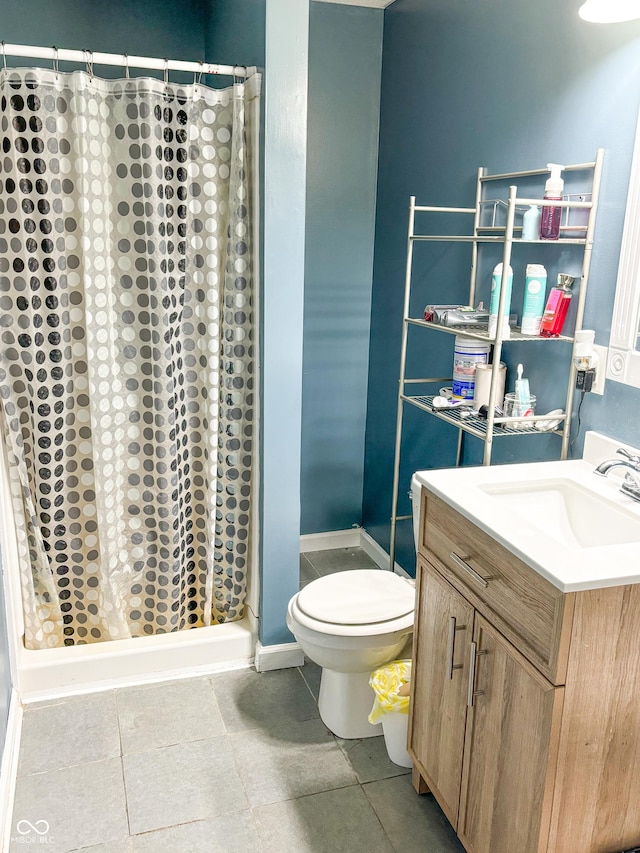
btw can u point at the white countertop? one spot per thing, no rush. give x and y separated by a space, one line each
569 568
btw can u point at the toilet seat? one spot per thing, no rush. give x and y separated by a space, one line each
362 602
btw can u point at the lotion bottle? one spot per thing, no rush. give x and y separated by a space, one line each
496 287
531 223
550 219
535 289
556 308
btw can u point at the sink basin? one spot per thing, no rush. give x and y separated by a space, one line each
567 512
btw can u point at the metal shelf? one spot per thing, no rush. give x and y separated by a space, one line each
475 425
494 238
578 217
482 333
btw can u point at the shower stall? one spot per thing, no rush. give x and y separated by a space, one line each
128 370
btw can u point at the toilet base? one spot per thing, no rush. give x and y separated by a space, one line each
345 702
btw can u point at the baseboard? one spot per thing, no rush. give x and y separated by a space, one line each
9 769
378 554
332 539
282 656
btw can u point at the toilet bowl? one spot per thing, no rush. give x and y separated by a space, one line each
351 623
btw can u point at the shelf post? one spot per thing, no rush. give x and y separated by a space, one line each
502 306
403 361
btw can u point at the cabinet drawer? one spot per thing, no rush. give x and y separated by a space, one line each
533 614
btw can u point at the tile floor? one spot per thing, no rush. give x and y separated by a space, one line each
235 762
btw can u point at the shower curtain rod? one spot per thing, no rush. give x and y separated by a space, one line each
55 54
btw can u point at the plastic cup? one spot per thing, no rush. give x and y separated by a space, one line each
513 408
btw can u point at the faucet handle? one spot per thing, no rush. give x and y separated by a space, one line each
629 456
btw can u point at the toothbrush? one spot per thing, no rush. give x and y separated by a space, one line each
523 395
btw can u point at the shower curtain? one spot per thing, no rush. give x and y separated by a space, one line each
126 350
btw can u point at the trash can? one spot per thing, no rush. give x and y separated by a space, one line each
390 684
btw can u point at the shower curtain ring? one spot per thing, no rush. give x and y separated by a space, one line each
54 61
166 71
197 75
4 56
125 56
88 58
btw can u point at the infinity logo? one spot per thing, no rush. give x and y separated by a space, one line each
40 827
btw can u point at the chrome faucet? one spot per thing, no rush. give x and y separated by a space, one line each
631 483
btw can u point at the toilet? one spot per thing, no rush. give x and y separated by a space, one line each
351 623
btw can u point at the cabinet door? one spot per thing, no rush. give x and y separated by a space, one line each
510 749
438 691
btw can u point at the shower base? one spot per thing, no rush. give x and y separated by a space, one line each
49 673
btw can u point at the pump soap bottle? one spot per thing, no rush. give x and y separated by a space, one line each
556 307
550 220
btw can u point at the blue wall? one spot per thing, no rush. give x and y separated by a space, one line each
172 28
235 33
509 85
240 32
345 55
345 50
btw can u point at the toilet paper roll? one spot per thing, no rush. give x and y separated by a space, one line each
483 385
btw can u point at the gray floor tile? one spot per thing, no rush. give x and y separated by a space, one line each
312 673
340 560
307 572
250 700
332 822
109 847
235 833
69 732
178 784
413 823
369 759
83 806
169 713
281 764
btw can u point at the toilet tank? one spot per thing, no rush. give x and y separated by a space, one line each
416 490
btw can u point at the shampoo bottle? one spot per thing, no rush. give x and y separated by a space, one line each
550 219
556 308
531 223
496 286
535 289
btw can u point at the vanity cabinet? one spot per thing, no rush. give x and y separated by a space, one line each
525 709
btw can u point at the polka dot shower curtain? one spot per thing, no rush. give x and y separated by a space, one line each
126 353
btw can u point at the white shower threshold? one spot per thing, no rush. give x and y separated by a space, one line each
52 673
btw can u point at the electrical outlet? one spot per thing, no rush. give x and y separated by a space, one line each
601 370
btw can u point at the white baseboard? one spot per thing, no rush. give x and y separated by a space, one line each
357 537
378 554
281 656
332 539
9 769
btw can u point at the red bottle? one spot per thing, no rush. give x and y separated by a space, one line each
556 308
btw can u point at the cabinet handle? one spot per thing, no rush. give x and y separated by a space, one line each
471 691
460 561
453 627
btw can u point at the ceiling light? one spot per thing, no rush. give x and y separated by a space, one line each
610 11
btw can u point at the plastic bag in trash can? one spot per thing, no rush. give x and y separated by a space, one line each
386 682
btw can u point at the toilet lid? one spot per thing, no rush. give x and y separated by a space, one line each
358 597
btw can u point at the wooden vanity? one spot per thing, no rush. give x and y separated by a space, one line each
525 706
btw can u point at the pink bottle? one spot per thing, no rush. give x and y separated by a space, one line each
556 308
